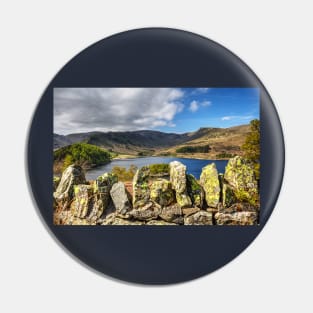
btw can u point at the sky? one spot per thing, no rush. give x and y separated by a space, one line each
175 110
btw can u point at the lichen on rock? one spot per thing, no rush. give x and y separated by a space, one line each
83 200
179 183
161 192
73 175
102 186
210 182
141 191
240 176
195 191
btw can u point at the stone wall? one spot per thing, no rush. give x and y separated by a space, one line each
176 198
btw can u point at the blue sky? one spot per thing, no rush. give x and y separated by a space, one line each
215 107
174 110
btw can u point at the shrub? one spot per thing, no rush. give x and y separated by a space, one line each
224 155
159 168
123 174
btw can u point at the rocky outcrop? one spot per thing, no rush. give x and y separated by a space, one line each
210 182
159 197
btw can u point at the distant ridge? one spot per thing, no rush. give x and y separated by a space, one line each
150 141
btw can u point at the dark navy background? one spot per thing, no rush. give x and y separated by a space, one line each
154 58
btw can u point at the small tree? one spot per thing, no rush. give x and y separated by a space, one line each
251 147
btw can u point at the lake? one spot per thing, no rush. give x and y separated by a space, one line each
194 166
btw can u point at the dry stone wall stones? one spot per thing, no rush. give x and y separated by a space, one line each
239 174
160 223
199 218
179 183
172 213
102 186
147 212
190 211
73 175
120 198
83 200
161 192
210 182
237 218
195 191
141 192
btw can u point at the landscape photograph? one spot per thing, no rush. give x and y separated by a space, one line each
156 156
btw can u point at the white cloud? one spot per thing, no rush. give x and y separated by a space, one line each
237 117
201 90
114 109
206 103
194 106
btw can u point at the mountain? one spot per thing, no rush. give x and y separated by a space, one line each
60 141
157 143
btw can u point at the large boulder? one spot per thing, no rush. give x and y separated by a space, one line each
120 198
210 182
141 191
179 183
83 200
237 218
195 191
199 218
239 175
161 192
148 211
73 175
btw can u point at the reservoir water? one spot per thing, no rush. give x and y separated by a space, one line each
194 166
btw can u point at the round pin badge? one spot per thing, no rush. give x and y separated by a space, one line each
155 156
